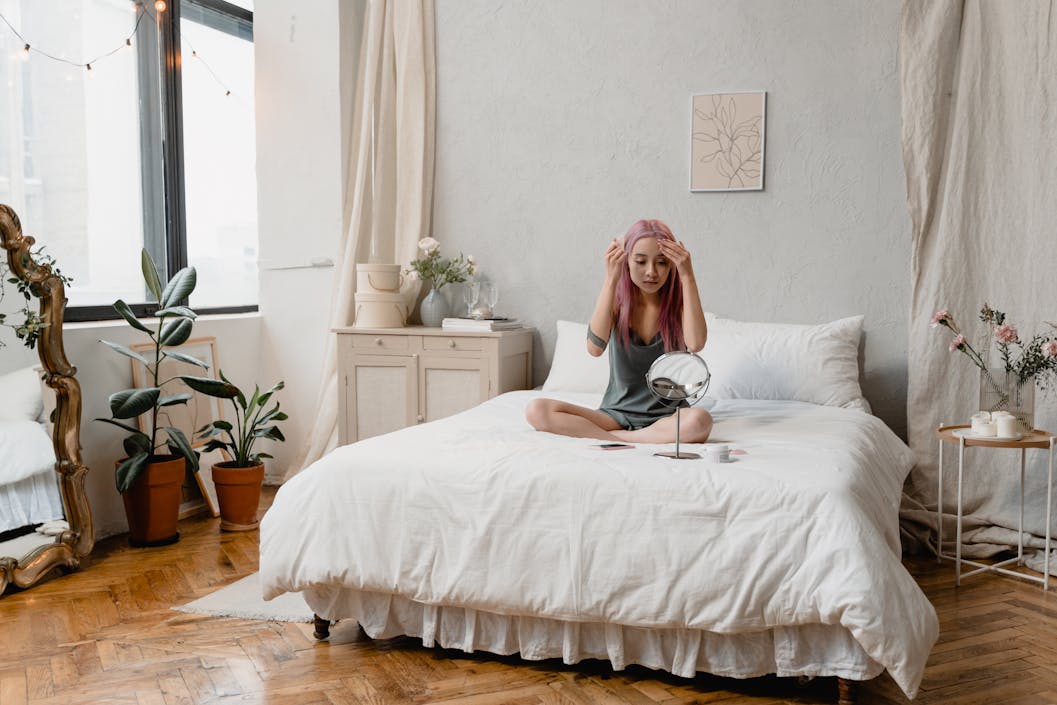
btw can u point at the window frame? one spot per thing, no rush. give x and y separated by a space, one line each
161 123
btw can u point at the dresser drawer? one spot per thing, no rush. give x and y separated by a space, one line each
380 342
440 342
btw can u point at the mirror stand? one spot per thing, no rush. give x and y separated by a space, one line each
676 454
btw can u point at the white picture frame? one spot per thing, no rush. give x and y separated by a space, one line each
727 139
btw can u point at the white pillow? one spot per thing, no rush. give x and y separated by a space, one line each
573 369
20 398
817 364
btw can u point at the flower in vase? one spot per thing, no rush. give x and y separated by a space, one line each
1025 361
428 244
942 318
437 271
1006 334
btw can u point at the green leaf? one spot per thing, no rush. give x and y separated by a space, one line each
210 387
216 444
126 312
252 404
136 443
174 399
263 455
150 274
130 403
222 425
239 396
179 287
129 470
175 332
180 446
185 358
176 311
119 425
127 352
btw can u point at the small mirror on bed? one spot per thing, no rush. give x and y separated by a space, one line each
45 522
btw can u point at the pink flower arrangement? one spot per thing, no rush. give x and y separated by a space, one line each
1036 358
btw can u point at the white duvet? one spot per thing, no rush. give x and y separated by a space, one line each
480 511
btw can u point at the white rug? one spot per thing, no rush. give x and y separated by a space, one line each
243 599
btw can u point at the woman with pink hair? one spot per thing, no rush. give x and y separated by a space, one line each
648 306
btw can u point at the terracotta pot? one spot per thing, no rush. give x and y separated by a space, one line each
238 494
152 504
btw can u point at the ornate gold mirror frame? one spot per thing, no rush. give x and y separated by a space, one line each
70 546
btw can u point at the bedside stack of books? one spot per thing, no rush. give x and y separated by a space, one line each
479 324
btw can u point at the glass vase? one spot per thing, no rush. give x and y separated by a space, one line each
1002 391
434 308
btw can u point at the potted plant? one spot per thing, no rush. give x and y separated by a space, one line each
150 481
238 481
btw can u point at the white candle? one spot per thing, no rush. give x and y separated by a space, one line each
980 422
1006 425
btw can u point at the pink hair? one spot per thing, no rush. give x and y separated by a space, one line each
671 294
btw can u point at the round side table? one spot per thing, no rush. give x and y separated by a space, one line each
959 435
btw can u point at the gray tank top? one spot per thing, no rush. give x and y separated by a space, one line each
627 399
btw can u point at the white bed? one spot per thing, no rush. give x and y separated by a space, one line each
477 532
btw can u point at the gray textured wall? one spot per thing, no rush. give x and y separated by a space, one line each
560 123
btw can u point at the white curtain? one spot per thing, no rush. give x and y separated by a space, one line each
979 85
389 198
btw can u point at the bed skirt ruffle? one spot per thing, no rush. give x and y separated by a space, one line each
805 650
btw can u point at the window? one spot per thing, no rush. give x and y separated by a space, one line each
152 146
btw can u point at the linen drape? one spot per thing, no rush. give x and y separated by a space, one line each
979 79
389 194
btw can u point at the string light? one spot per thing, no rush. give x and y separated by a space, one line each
159 5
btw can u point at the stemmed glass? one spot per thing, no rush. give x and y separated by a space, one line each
487 296
470 291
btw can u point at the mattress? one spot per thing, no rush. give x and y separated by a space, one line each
29 491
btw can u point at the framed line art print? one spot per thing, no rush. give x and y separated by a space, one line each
726 141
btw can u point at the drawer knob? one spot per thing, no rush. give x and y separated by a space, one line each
377 341
451 343
421 418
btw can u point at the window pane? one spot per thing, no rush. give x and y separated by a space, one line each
244 4
220 165
70 141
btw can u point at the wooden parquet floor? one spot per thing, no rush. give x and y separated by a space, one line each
106 634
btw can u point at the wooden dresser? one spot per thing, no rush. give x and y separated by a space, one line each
391 378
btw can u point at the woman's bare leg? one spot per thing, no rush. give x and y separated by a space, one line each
567 419
695 425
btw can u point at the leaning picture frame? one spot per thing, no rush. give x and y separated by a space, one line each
727 132
197 492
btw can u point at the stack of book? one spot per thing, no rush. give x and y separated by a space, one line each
480 324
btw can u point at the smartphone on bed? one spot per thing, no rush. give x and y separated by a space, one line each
613 446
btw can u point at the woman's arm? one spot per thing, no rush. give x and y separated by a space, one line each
695 330
601 324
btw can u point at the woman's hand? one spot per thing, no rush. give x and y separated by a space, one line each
678 255
615 259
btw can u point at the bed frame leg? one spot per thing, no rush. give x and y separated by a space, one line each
847 692
322 627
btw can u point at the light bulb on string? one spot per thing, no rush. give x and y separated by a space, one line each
128 43
88 70
159 5
24 54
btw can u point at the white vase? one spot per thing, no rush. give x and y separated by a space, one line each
433 309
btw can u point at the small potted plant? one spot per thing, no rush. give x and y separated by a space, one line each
150 481
238 481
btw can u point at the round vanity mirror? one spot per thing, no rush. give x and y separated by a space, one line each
678 379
